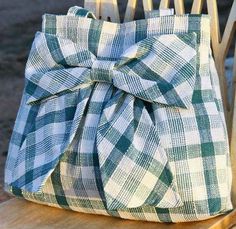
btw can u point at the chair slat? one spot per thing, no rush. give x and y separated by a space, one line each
229 35
229 32
227 39
233 142
179 7
109 10
233 135
104 9
234 67
164 4
197 7
215 31
130 10
147 5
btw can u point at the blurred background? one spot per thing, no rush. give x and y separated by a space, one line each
19 21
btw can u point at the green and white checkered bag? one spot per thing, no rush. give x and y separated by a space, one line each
123 120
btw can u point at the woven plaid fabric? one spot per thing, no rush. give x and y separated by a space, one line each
157 13
131 128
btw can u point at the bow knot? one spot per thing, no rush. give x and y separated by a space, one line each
102 70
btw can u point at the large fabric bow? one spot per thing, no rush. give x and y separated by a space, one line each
159 69
133 164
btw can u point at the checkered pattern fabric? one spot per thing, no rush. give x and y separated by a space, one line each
122 119
160 12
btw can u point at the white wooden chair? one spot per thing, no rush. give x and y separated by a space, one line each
21 214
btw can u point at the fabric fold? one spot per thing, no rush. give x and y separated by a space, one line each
133 164
48 140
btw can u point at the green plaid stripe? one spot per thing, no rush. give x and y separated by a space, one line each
87 145
79 11
128 181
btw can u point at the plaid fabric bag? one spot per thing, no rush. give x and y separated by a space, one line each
123 120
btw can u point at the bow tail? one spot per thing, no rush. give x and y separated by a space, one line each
133 164
44 146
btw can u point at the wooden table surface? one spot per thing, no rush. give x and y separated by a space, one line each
21 214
